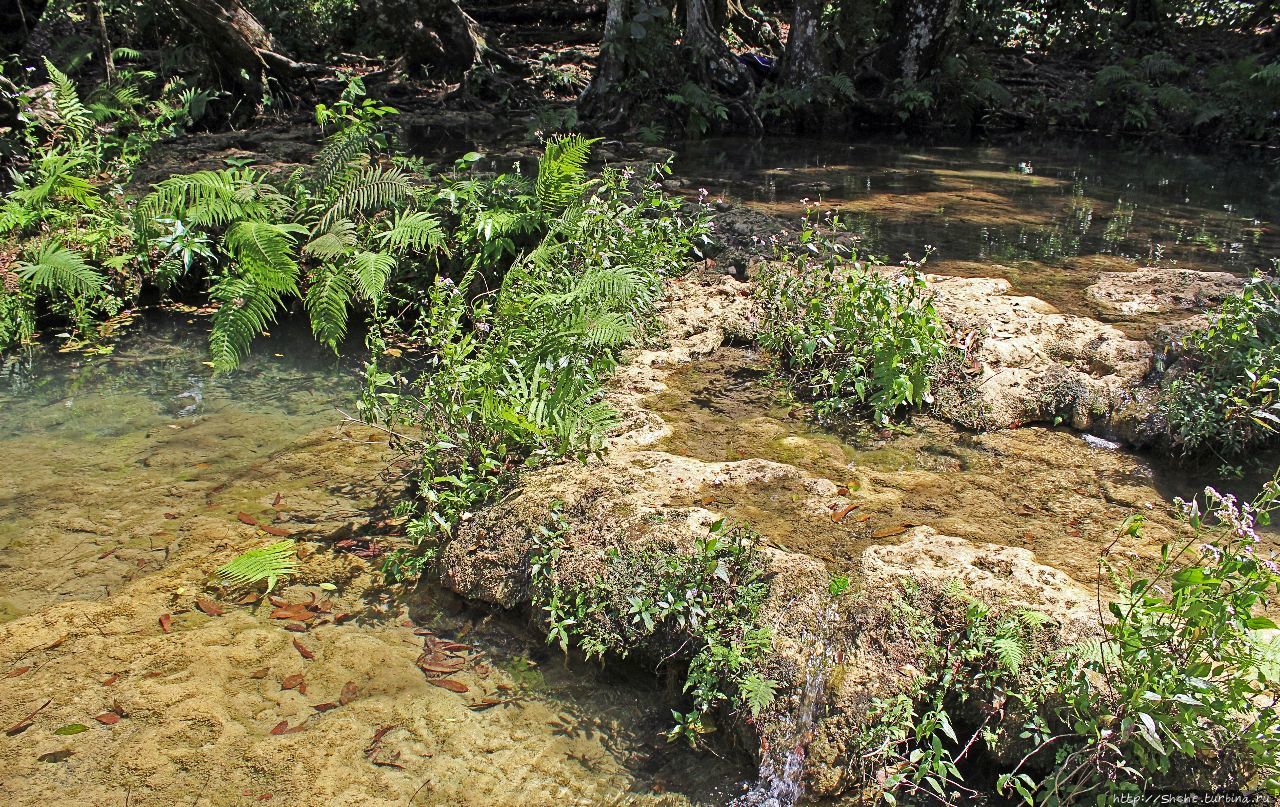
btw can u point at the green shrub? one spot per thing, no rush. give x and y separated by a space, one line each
705 604
852 338
1180 690
1226 400
511 377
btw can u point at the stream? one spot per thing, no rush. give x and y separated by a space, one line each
130 475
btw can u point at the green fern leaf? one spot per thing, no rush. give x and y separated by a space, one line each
562 172
62 271
269 563
1011 651
66 102
326 302
246 309
372 270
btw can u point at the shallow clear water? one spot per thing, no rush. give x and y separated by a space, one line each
125 480
1048 217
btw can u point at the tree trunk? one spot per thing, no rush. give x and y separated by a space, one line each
436 36
716 69
918 39
17 20
104 43
243 50
601 98
1145 14
802 65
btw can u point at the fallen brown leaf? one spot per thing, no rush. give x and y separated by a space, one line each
838 515
258 675
16 671
249 599
296 627
324 707
56 643
25 723
278 532
449 684
279 500
245 518
292 681
349 693
166 622
108 718
209 606
283 728
111 680
303 650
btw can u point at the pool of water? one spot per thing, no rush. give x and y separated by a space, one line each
1047 490
1049 218
127 478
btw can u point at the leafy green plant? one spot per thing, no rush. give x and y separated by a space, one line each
511 378
850 336
705 602
270 563
1225 398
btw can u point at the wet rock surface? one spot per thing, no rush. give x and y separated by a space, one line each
1033 364
819 511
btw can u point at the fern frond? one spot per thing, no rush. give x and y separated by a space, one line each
268 563
372 270
328 297
374 188
1011 651
264 251
61 271
246 309
216 198
562 172
66 102
344 151
413 230
338 240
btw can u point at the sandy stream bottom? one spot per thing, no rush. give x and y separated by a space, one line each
103 537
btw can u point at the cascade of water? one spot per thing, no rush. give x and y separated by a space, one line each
781 778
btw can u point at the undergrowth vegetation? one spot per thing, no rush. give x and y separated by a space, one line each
852 337
650 599
1224 397
1179 689
509 355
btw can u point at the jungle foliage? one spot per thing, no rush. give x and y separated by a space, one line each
648 600
1223 397
504 361
851 336
1178 691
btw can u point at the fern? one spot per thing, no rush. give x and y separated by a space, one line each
373 188
343 152
66 102
562 172
326 302
1011 651
217 198
413 231
62 271
270 563
371 271
246 309
757 693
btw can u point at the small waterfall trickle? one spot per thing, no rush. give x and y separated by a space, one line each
781 778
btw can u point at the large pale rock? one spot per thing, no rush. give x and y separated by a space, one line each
1160 290
1034 364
